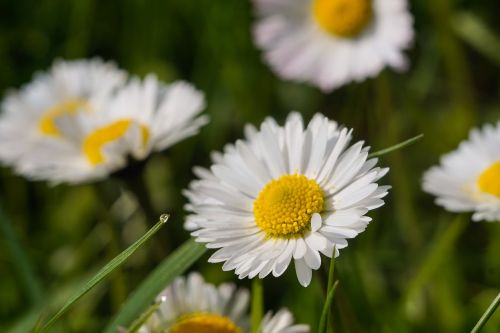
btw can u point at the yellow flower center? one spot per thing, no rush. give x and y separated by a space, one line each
205 323
285 206
343 18
47 123
94 142
489 180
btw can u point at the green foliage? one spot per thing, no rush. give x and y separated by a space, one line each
173 266
416 268
104 272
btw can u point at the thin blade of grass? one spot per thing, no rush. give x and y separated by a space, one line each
171 267
136 325
396 146
329 295
487 315
105 271
257 304
326 307
20 261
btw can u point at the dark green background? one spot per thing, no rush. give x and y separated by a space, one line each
417 268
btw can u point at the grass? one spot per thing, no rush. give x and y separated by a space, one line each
416 268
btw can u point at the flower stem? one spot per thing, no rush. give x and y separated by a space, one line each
137 186
332 286
487 314
257 304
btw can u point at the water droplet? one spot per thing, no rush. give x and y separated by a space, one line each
164 218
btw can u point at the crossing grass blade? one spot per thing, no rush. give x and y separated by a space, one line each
396 146
331 287
174 265
487 314
104 272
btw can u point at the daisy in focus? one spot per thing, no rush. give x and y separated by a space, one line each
329 43
191 305
141 117
69 87
285 193
468 179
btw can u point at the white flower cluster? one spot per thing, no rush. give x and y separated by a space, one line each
80 121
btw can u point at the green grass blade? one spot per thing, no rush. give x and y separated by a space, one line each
257 304
20 260
396 146
105 271
173 266
474 32
137 324
487 314
326 307
329 295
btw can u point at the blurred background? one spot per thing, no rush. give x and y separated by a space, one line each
417 268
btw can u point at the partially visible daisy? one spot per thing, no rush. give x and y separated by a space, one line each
468 179
284 193
190 305
330 43
281 322
144 116
28 115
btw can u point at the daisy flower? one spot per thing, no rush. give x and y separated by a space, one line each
69 87
284 193
143 116
329 43
191 305
468 179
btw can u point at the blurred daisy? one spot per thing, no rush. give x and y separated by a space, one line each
69 87
285 193
329 43
142 117
191 305
468 179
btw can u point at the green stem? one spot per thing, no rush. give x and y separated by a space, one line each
118 290
487 314
403 194
137 185
326 307
331 286
21 261
257 304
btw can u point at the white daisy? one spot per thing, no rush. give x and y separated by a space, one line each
281 322
468 179
142 117
192 305
285 193
329 43
69 87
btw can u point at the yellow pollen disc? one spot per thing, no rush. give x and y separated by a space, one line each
285 206
343 18
205 323
47 125
94 142
489 180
